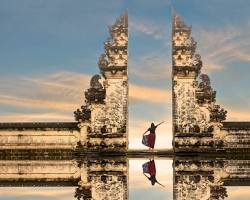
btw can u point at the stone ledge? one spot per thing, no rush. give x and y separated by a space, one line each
40 126
107 135
40 183
236 125
193 135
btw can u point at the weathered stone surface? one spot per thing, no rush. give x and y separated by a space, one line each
39 137
205 178
96 93
82 115
102 179
195 114
107 100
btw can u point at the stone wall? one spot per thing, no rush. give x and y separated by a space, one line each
39 135
48 172
235 136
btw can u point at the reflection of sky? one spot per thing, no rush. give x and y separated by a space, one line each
238 193
36 193
49 49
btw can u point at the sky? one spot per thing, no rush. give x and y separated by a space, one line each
49 51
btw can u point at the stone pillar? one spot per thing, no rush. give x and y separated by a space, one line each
98 117
116 103
113 65
84 175
83 191
84 129
109 178
199 179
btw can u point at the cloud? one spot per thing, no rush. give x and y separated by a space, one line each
60 91
153 66
148 28
52 193
223 46
149 94
45 117
238 115
56 94
36 103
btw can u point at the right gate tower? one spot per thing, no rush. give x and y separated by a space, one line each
195 114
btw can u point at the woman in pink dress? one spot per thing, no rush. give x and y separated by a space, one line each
149 168
149 140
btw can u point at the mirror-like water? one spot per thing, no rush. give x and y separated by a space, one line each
125 178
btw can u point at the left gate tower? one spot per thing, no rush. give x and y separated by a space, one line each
103 119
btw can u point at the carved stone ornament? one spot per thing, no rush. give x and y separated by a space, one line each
115 57
96 93
120 25
184 46
83 193
217 114
83 114
103 63
197 63
205 93
180 25
94 82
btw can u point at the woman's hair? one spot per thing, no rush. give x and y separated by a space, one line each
152 125
153 180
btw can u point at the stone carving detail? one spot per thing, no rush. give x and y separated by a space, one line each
217 114
205 93
94 82
96 93
83 193
116 101
190 118
218 192
82 115
107 187
179 25
197 63
195 179
115 57
184 58
103 63
98 118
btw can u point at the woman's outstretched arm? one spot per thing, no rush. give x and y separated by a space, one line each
160 123
145 132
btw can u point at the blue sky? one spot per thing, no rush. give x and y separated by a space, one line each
49 50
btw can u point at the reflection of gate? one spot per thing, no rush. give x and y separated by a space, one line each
206 178
94 178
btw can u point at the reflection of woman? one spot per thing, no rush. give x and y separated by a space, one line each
149 168
149 140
